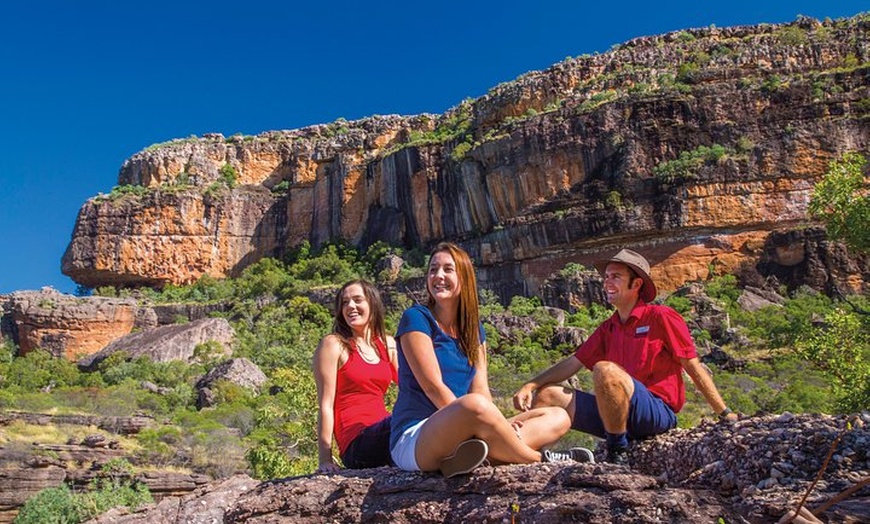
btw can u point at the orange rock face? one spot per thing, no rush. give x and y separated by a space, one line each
558 166
68 326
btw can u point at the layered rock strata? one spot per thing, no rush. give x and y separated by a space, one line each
692 147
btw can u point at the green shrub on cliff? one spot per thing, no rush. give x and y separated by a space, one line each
119 192
687 165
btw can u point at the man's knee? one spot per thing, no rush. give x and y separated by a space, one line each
553 395
607 374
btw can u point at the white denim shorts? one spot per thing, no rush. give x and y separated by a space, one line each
404 452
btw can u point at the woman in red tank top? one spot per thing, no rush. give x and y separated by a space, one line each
353 367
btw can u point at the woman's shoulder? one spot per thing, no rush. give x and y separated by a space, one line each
415 316
332 343
418 311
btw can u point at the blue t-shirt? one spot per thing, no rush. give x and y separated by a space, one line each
412 404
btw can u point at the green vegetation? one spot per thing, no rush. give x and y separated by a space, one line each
791 365
792 35
598 99
454 127
281 187
841 349
60 505
842 202
119 192
687 165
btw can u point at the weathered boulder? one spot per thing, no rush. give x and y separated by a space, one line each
707 314
239 371
167 343
67 326
751 299
763 464
19 484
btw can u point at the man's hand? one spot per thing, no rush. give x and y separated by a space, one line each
524 397
730 418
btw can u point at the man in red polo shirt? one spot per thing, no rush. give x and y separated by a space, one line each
636 358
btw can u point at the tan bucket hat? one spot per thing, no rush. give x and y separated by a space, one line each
640 266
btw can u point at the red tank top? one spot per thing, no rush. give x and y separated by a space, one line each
359 394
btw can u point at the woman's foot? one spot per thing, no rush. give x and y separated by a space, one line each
468 455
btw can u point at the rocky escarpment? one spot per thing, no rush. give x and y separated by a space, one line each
753 471
28 468
692 147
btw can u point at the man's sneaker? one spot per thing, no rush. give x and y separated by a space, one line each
468 455
573 454
618 456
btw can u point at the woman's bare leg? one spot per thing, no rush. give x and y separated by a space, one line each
470 416
541 427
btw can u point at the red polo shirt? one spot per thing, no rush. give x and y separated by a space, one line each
648 346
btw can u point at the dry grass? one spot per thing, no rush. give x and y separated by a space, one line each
22 432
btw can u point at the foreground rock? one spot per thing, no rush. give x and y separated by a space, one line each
751 472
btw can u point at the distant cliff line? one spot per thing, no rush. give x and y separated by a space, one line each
694 147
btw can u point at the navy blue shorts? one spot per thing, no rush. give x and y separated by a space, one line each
648 415
371 448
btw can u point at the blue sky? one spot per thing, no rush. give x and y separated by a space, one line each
86 84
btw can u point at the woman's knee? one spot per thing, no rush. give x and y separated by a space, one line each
560 419
477 405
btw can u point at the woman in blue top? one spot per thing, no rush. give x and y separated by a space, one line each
444 418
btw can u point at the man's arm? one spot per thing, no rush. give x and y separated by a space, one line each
558 372
703 380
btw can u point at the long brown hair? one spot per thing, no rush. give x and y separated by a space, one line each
376 312
468 318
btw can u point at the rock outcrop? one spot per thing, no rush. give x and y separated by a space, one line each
694 147
19 484
166 343
753 471
239 371
67 326
28 468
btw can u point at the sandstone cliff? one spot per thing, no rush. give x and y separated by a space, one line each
691 146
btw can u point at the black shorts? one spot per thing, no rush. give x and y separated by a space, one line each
371 448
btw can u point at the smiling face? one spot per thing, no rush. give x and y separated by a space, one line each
355 309
621 286
443 280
